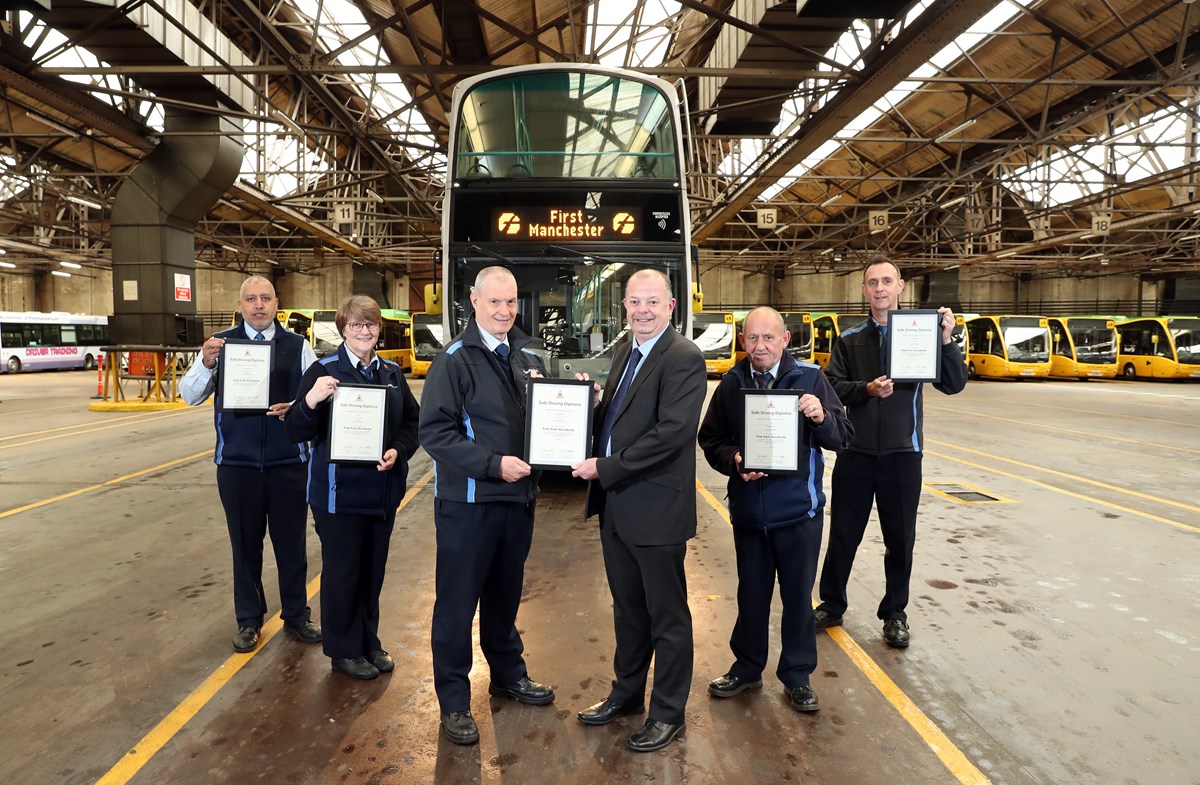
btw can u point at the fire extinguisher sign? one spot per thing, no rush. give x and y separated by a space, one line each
183 288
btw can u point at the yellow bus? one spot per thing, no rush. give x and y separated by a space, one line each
1159 347
799 324
826 327
1008 347
715 332
1083 347
427 336
395 338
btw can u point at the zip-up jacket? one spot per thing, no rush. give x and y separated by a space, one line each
256 440
473 417
355 488
895 423
778 500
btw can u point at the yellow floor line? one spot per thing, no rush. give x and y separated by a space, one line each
105 484
141 753
82 430
75 427
950 755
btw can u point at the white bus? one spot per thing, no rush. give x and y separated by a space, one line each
32 341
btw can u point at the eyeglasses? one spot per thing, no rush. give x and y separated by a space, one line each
359 327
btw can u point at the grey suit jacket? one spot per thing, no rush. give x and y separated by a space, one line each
647 487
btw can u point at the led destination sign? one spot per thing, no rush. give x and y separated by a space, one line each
549 223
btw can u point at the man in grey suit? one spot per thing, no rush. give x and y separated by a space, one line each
642 484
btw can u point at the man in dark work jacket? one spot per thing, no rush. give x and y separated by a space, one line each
473 426
643 485
261 474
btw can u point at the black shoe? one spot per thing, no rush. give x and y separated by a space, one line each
895 632
528 692
382 661
606 711
803 698
305 632
729 685
357 668
824 619
654 735
246 639
460 727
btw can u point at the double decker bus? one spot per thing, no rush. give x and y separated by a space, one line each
826 327
572 176
1008 347
715 333
799 325
33 341
1083 347
1159 347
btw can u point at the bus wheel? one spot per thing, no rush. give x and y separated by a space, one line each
1128 371
971 371
14 364
89 363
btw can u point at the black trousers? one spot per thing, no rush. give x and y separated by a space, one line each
354 554
791 553
481 551
257 501
651 619
893 483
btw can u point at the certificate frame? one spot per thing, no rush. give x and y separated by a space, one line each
914 346
245 369
357 418
772 431
558 422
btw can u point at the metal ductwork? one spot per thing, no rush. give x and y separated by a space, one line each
788 37
154 216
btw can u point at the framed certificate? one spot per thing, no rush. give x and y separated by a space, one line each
772 431
558 422
357 415
914 350
244 375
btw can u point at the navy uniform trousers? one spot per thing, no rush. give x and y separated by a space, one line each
893 483
481 550
257 501
791 552
354 554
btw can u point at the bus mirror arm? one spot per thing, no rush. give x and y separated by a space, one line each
491 254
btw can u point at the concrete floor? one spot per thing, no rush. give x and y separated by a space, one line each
1056 637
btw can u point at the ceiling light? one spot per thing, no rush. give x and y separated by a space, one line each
1091 256
272 261
84 202
229 248
1006 254
831 200
956 129
60 273
950 267
3 250
72 265
52 124
371 193
1087 237
9 265
744 250
954 201
827 250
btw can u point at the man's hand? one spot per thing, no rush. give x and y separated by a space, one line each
879 388
585 470
388 460
513 468
810 406
583 377
947 324
210 350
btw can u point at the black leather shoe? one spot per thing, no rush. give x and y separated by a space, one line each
460 727
729 685
654 735
803 698
824 619
305 633
357 668
895 632
382 661
606 711
246 639
528 692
